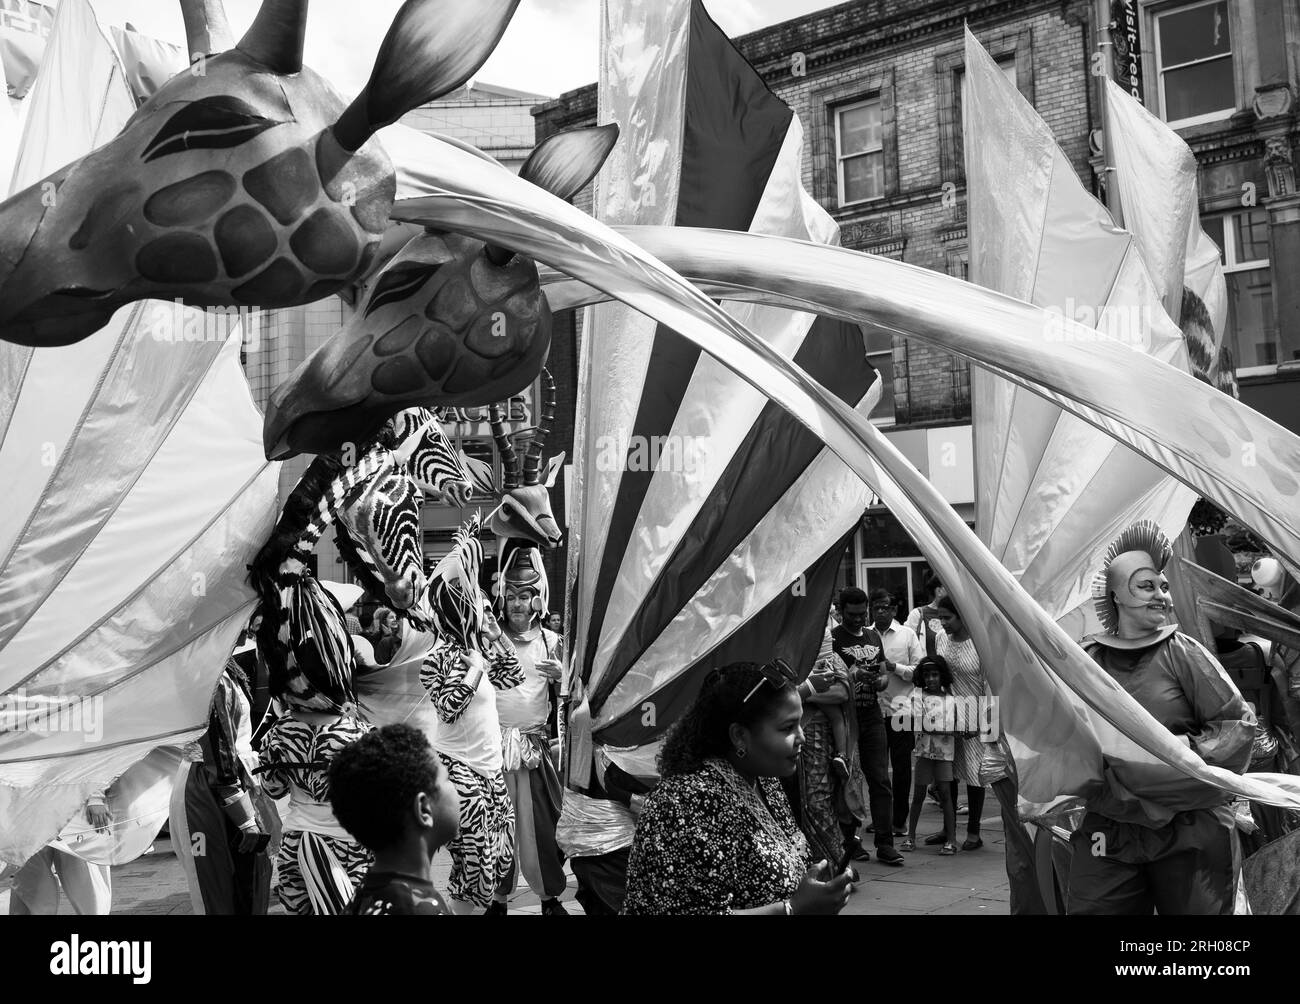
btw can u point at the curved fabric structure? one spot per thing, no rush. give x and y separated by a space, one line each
136 495
1052 491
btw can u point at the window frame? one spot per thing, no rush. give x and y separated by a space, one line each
1232 266
1160 69
840 157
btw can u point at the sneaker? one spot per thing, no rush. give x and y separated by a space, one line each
554 908
857 852
495 909
907 844
972 844
948 849
934 839
889 856
840 767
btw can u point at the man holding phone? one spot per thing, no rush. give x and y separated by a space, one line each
862 650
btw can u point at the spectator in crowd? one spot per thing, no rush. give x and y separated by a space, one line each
717 836
924 621
386 636
932 724
902 651
969 685
828 801
390 791
862 652
555 623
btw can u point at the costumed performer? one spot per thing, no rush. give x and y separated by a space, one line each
1153 838
222 825
531 778
461 674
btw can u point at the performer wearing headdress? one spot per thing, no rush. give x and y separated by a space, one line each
1153 838
534 784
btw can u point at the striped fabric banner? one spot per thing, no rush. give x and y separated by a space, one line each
710 524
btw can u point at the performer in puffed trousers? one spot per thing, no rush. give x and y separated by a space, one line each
531 778
222 825
1153 838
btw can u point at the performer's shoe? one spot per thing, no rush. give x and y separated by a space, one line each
495 909
554 908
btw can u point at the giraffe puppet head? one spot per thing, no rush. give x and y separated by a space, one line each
449 321
243 182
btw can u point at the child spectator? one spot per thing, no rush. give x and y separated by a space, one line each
390 791
933 721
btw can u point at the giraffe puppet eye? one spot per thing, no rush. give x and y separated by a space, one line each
214 123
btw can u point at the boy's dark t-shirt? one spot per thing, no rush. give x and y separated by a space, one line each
858 651
389 894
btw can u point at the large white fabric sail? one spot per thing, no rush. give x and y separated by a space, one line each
136 494
1051 490
704 514
1156 174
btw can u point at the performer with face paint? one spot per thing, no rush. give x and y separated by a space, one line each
1159 841
531 778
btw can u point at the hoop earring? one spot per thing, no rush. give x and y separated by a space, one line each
741 752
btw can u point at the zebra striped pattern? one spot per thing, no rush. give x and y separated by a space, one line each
455 599
384 523
434 464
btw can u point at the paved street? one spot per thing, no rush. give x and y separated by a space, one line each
972 882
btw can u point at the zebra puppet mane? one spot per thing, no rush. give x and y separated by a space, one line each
303 635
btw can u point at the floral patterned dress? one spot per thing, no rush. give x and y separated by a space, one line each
709 843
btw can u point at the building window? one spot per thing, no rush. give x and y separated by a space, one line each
1251 332
1194 63
1014 55
880 354
860 152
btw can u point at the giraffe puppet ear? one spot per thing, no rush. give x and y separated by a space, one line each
565 163
432 47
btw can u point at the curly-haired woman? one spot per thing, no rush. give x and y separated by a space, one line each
717 835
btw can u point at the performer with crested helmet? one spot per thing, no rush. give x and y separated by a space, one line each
1153 838
523 598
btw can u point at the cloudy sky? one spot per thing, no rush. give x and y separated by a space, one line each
550 46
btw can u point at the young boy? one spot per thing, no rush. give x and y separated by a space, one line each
390 792
828 670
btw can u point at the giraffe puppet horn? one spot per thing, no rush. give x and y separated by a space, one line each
276 38
206 28
432 47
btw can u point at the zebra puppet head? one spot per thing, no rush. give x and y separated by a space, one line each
379 529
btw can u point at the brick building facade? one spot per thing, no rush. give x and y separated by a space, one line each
877 86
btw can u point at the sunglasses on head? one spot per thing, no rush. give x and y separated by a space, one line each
777 672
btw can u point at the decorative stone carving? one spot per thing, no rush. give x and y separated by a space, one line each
1273 100
1279 167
